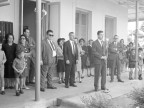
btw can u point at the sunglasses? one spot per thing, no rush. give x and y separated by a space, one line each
51 35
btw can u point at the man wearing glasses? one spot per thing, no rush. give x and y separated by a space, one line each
48 55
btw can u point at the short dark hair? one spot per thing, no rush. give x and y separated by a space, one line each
130 43
22 36
115 36
63 38
81 40
7 36
100 31
25 29
71 33
140 49
48 31
58 41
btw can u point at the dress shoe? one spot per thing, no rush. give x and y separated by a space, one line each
140 77
120 80
73 85
2 92
51 87
42 89
105 90
31 82
96 89
21 92
17 93
66 86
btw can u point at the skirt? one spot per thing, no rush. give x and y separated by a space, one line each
61 66
132 65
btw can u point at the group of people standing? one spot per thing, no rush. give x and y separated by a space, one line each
72 59
18 64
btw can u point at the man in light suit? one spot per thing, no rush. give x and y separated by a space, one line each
99 54
71 58
114 60
48 56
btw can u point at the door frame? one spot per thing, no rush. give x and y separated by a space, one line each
115 23
89 21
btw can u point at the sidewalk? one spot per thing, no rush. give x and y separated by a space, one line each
49 98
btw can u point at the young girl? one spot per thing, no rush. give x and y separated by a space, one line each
19 67
140 62
132 62
2 61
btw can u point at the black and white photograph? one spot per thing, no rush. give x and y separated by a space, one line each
71 53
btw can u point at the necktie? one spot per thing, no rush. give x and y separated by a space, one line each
53 48
101 43
73 48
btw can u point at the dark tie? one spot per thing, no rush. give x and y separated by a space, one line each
53 48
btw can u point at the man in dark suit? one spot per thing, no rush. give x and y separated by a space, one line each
48 56
114 60
99 54
71 58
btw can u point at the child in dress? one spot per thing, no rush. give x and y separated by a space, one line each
140 62
132 62
19 67
2 61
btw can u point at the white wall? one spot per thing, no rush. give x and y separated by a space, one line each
99 9
11 13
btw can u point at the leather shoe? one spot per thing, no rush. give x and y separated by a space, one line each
120 80
42 89
2 92
51 87
66 86
96 89
73 85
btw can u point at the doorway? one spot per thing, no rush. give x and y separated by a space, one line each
110 27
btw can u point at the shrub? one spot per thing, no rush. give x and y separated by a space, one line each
98 101
138 96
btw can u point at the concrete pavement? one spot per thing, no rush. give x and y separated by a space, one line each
66 96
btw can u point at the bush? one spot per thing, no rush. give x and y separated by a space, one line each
98 101
138 96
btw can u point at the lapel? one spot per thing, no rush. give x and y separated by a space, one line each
101 46
70 45
48 45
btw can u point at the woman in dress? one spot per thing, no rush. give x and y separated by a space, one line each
23 45
90 57
60 64
84 57
9 47
122 54
78 65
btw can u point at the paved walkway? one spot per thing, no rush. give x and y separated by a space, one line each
48 98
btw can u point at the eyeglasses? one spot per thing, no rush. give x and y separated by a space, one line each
51 35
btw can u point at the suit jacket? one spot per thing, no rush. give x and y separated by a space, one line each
98 51
46 52
67 52
113 53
